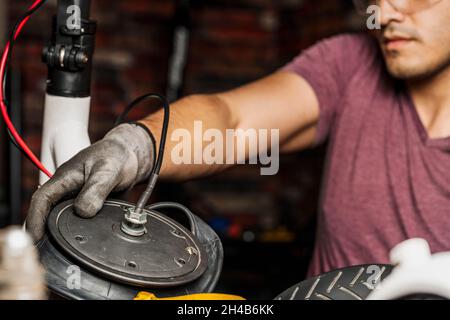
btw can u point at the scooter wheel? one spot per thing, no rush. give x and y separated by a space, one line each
353 283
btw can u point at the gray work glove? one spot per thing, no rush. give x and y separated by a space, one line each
124 157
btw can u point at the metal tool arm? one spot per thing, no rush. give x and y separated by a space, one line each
67 103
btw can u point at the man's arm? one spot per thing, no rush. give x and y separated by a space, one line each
125 155
283 101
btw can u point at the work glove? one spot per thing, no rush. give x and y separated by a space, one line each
124 157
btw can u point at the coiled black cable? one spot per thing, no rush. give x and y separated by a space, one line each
142 202
174 205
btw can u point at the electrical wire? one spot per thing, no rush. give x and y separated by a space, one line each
174 205
19 24
15 32
157 168
12 38
15 138
165 127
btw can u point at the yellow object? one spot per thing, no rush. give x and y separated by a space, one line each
200 296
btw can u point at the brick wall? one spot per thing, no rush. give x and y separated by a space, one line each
233 42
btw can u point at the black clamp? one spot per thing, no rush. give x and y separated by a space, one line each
70 53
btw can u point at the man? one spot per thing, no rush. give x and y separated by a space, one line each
384 104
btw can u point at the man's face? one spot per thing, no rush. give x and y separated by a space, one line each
416 45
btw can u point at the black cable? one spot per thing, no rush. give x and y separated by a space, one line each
174 205
166 107
14 142
157 167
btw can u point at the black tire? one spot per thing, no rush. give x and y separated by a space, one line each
353 283
96 287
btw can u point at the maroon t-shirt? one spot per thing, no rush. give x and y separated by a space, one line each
386 181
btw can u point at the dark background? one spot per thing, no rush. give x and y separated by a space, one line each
267 224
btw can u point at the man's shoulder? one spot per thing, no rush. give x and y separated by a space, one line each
346 50
356 37
353 54
358 45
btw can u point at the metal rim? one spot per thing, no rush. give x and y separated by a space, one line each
115 275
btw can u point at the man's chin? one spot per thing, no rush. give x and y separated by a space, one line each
404 70
402 74
412 72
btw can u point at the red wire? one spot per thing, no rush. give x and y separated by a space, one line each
3 107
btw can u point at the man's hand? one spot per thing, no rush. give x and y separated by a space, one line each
124 157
